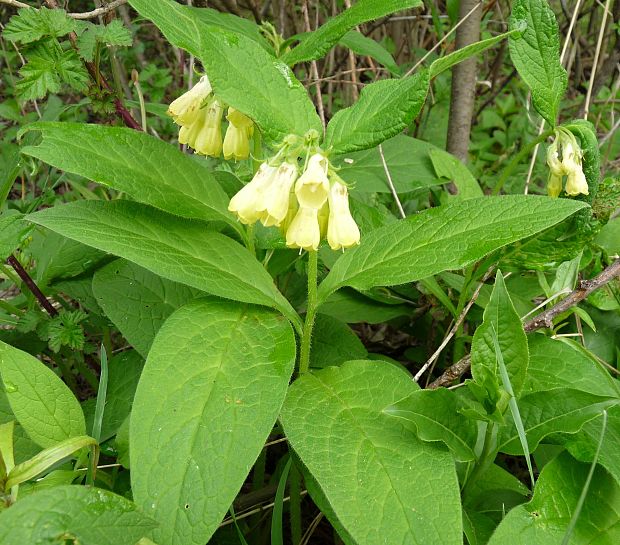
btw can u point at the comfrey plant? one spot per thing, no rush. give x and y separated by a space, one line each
232 283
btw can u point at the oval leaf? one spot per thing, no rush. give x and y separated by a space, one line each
208 397
178 249
42 403
383 484
439 239
79 514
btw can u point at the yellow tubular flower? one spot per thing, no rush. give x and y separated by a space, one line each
554 185
342 231
205 133
576 182
276 197
304 231
246 203
313 186
185 108
553 161
237 138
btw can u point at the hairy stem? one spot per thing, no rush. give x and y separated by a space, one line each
306 338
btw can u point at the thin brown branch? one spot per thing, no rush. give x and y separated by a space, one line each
99 11
15 4
540 321
32 286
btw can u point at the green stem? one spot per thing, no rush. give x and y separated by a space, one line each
525 151
306 338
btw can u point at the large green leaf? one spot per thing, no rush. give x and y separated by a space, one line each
434 413
210 392
448 166
315 44
502 322
536 55
242 73
80 514
384 109
178 249
439 239
13 229
333 342
145 168
408 162
383 484
545 520
40 401
557 411
554 364
138 301
23 447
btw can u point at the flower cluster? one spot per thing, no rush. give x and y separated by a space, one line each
306 207
564 159
199 115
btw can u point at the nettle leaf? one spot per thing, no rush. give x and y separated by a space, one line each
181 250
30 25
443 238
112 34
146 168
383 484
448 61
435 417
81 514
364 46
208 397
545 520
47 68
384 109
501 321
241 72
315 44
536 55
138 301
41 402
556 411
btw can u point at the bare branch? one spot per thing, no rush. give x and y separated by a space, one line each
99 11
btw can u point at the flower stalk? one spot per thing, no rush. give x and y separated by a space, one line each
311 308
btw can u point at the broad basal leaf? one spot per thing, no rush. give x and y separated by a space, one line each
545 520
178 249
84 515
242 73
383 484
536 55
208 397
42 404
439 239
315 44
384 109
146 168
138 301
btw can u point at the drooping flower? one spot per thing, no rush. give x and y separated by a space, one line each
553 160
184 109
205 133
304 231
247 201
237 138
576 182
313 186
342 231
275 200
